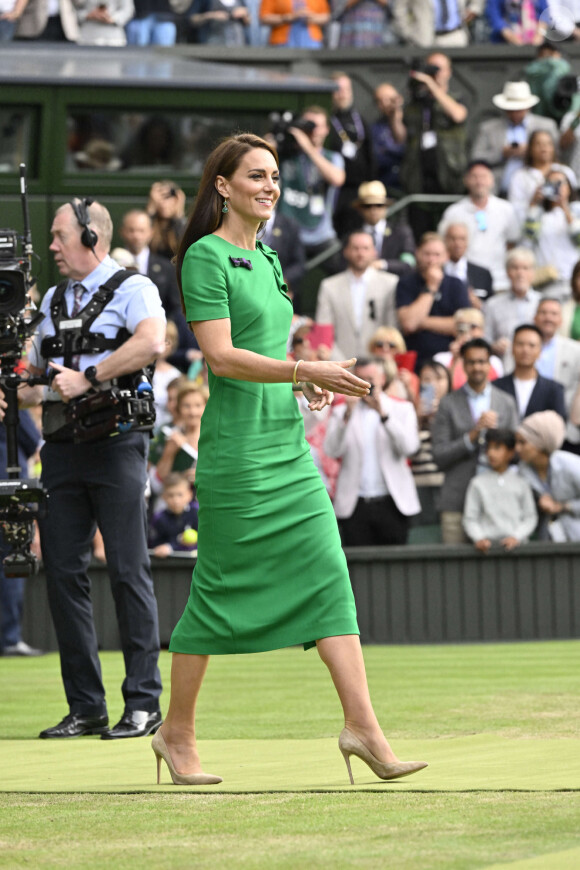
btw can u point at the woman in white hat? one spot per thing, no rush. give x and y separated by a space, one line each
526 183
517 22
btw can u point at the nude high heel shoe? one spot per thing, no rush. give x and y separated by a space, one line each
162 752
349 744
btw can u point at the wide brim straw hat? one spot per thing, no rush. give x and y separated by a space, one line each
515 96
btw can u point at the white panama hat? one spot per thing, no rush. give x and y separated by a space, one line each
515 95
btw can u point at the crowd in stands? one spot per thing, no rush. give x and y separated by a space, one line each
310 24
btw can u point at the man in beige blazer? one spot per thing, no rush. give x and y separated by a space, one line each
357 301
35 19
559 360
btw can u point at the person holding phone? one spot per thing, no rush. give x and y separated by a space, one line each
103 23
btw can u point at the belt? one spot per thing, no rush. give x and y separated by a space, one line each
445 32
372 498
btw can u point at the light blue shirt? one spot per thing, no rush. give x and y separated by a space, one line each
518 134
478 404
546 364
453 21
135 300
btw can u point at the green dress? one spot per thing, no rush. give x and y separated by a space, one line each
270 569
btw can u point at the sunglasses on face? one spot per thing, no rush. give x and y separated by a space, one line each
383 344
373 205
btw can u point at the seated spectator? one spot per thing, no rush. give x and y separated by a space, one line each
394 245
491 222
152 24
570 138
458 433
499 504
425 22
427 299
553 474
363 23
570 326
357 300
517 23
434 384
48 22
174 528
388 135
164 375
531 391
10 12
103 23
468 324
477 279
350 136
553 227
175 449
98 154
539 162
166 208
388 345
375 491
282 233
295 23
436 146
309 183
219 22
503 142
505 311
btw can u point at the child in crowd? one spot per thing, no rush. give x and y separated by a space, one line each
499 505
175 527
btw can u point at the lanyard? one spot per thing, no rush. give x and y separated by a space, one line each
360 130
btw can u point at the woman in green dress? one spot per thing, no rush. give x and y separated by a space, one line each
270 571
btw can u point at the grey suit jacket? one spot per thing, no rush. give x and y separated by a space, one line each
567 373
491 138
452 421
35 15
334 306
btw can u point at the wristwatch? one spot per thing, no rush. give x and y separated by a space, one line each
90 374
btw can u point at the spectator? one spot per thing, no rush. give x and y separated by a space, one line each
477 279
553 226
559 360
394 245
49 22
219 22
10 12
427 299
137 232
502 142
499 505
363 23
388 345
492 223
152 24
349 136
309 183
458 433
435 151
375 492
295 23
526 183
570 326
426 22
518 23
171 528
531 390
468 324
176 449
166 208
434 384
553 474
282 233
388 135
570 138
507 310
357 300
103 23
164 375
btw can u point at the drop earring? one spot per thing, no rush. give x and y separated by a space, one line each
225 208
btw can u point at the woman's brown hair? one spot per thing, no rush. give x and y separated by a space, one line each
531 142
207 216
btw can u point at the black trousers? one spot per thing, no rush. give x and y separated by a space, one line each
102 482
374 522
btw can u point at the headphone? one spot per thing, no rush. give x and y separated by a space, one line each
89 238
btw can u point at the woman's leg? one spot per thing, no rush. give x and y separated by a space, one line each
344 659
187 673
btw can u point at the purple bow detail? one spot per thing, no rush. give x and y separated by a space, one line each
241 261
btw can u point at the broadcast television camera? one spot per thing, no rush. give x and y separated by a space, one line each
21 500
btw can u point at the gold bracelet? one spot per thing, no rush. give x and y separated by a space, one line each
294 381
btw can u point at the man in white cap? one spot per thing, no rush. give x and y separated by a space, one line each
502 141
395 245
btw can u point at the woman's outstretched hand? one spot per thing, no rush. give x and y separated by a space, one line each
334 377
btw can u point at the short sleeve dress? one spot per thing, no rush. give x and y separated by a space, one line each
270 569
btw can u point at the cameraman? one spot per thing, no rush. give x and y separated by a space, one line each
436 149
309 182
98 482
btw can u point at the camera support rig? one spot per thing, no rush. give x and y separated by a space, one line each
21 500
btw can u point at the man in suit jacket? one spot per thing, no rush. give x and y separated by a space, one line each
531 390
137 231
458 433
356 302
476 278
375 490
417 22
559 359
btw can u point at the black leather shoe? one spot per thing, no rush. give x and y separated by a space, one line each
134 723
77 726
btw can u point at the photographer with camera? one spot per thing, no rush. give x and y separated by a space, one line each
100 324
309 180
436 149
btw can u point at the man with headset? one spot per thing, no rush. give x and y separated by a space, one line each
101 481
